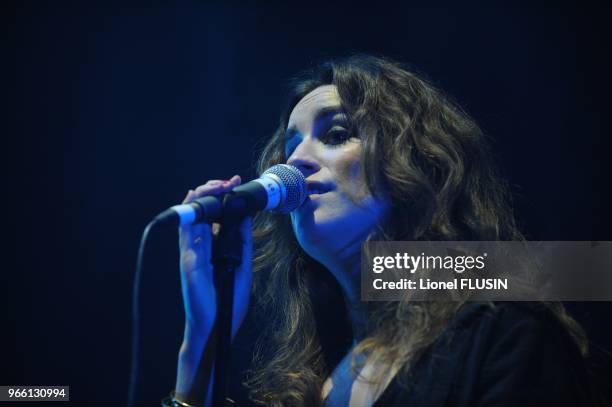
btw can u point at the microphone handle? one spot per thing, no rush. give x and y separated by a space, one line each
245 200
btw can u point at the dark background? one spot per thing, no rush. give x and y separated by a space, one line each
115 111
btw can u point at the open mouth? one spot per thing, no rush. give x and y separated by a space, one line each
317 188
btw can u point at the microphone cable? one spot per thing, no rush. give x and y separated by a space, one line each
133 378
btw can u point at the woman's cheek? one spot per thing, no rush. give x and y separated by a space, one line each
351 175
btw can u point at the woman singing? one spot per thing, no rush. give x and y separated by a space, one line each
386 156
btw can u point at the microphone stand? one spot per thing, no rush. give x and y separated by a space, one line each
226 258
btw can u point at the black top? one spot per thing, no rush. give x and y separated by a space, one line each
511 354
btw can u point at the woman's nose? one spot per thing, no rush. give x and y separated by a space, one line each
304 159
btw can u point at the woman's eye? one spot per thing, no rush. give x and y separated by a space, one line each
291 145
336 136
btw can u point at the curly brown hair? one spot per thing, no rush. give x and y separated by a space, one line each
433 163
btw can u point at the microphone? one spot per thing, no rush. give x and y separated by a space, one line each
280 189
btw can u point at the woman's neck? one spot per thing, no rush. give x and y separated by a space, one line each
348 273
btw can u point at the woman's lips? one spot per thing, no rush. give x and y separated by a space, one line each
317 188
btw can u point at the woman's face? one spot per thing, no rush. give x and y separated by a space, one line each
340 211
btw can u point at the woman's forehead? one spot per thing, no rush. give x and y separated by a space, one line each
321 100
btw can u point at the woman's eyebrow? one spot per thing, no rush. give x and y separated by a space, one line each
322 113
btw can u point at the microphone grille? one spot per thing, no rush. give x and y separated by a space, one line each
295 186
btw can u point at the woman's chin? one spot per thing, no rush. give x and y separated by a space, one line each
314 234
311 235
